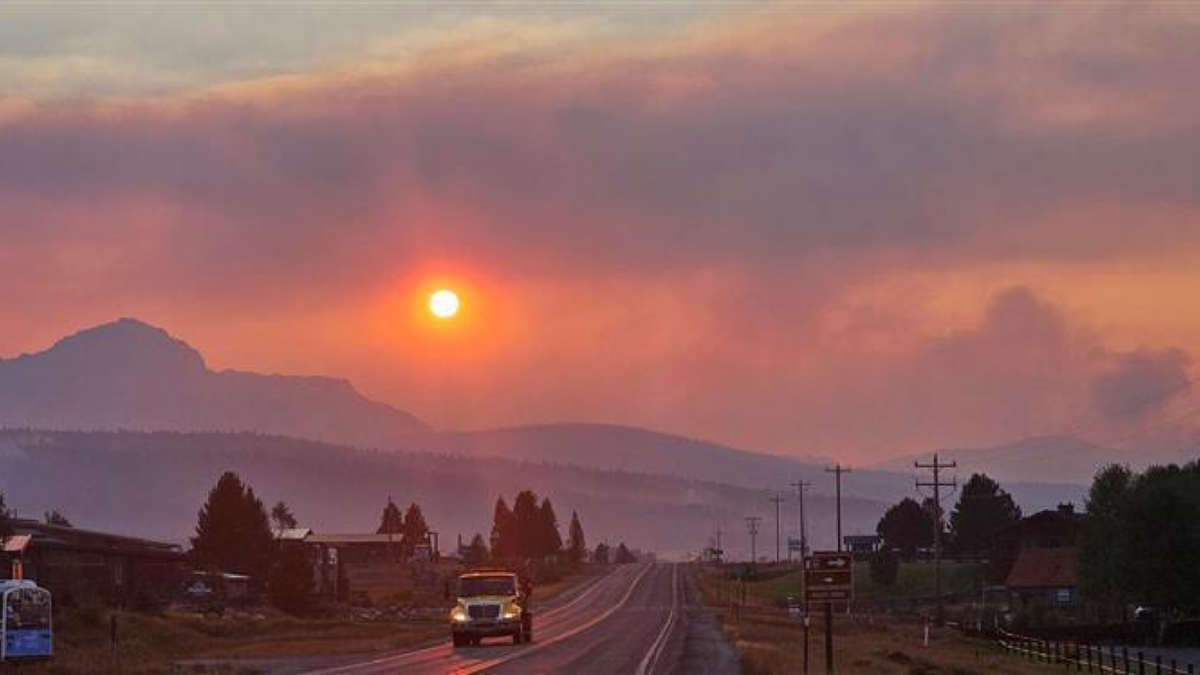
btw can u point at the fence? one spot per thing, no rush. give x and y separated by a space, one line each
1091 658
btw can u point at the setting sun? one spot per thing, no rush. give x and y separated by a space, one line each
443 304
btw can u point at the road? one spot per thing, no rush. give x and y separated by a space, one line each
642 619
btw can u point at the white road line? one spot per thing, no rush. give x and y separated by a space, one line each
439 647
651 658
557 638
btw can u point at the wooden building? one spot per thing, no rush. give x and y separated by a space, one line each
83 565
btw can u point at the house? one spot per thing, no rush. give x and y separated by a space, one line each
1036 558
1050 529
1045 576
77 564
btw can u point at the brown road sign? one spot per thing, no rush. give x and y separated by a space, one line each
829 575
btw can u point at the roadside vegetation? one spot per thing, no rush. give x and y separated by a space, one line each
770 641
913 580
154 642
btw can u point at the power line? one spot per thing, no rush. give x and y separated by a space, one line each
752 525
937 484
800 487
838 470
777 499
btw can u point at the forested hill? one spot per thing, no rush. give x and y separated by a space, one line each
152 484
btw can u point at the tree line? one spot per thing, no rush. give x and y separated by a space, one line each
528 532
983 509
1140 539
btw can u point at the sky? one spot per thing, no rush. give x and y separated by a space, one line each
847 230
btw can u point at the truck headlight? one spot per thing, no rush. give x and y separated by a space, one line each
459 614
512 612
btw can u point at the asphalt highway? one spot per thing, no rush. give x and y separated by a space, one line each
638 620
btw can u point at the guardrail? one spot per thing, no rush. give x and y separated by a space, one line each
1091 658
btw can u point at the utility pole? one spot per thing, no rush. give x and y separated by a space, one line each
721 551
800 487
777 499
937 484
837 471
752 525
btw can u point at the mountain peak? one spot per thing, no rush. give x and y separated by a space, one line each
128 341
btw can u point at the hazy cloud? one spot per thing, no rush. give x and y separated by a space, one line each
1142 382
692 219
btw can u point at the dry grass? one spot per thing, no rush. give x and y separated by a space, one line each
771 642
152 643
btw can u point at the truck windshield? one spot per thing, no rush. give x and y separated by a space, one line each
472 586
28 610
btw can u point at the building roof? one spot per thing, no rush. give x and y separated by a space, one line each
293 534
1064 515
16 543
1045 568
861 538
353 538
43 535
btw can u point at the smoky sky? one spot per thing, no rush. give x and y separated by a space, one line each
700 213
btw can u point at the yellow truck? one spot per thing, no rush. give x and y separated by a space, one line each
491 604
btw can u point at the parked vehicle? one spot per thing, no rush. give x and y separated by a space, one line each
25 621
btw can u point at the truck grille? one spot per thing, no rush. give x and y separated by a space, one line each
484 611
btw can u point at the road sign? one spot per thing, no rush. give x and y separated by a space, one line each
828 575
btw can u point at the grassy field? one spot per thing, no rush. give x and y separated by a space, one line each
154 642
771 642
151 643
913 580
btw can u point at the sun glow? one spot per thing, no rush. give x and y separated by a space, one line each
443 303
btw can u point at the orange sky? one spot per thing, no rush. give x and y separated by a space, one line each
851 232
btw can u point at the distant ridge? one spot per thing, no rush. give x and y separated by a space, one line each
1046 459
128 374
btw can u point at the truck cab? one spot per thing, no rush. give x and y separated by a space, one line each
490 604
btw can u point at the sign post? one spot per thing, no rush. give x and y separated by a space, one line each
828 576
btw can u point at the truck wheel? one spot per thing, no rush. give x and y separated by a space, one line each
518 637
458 640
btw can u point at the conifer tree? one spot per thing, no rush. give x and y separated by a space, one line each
415 531
576 544
527 518
283 517
232 532
503 540
391 522
548 538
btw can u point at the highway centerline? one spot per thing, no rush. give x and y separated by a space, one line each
652 656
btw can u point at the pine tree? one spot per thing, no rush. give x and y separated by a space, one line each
548 540
526 524
576 544
624 557
477 551
503 540
56 518
232 532
415 531
905 527
283 517
391 522
982 510
600 555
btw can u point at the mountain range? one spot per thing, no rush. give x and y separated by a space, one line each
129 375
